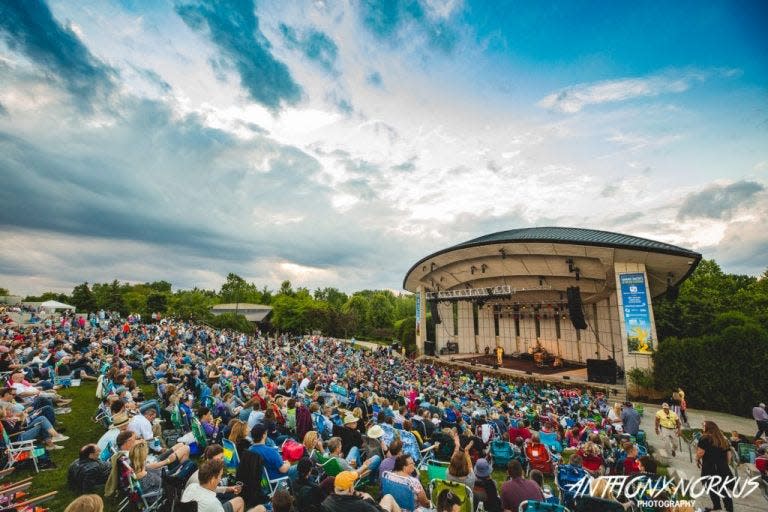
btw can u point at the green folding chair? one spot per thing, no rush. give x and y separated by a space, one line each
437 470
464 493
747 452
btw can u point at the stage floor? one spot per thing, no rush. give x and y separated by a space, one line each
525 365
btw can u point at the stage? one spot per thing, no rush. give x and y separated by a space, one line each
569 375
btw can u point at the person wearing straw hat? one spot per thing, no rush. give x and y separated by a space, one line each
668 427
351 439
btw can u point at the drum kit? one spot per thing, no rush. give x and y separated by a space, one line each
544 359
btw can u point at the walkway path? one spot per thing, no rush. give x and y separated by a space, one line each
682 463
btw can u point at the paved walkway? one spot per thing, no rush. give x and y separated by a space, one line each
682 463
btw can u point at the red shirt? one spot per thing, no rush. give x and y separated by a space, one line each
761 463
630 466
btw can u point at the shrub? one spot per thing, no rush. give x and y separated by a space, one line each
723 371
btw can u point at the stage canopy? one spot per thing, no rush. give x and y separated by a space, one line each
573 293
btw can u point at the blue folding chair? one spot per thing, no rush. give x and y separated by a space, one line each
550 439
231 458
402 493
501 452
567 476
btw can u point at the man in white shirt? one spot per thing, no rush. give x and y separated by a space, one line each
141 424
204 493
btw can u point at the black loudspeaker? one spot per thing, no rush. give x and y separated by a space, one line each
433 311
429 348
672 293
574 308
601 370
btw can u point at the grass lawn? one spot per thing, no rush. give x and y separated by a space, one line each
81 431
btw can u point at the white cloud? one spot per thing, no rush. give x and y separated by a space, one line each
573 99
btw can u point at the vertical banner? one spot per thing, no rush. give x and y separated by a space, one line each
418 312
637 316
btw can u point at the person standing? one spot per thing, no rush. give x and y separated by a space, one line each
668 427
761 418
713 456
630 419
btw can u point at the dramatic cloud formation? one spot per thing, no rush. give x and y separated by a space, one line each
234 28
29 28
335 143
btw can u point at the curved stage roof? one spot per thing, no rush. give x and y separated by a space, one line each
528 257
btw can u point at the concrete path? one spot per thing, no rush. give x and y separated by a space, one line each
682 463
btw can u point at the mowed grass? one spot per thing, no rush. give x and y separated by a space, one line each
81 431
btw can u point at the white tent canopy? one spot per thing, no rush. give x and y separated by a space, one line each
54 304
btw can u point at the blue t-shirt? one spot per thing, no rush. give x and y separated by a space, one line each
272 459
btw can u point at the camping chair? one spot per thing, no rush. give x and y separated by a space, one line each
426 456
31 503
565 477
747 453
19 451
199 433
410 445
103 415
437 470
11 493
402 493
539 458
275 484
389 433
550 439
231 458
329 465
501 452
541 506
460 490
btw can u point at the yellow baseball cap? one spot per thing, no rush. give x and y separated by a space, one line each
345 480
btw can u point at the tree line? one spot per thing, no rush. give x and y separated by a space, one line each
365 314
713 340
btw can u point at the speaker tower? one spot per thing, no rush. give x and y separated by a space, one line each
575 310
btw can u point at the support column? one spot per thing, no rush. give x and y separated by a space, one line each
635 316
421 319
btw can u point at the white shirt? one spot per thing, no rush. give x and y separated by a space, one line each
206 500
254 418
109 437
141 426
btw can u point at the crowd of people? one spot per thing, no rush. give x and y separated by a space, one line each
307 423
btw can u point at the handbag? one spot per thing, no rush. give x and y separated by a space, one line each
292 451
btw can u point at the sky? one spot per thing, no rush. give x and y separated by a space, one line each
335 143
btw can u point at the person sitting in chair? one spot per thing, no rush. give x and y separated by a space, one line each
204 493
